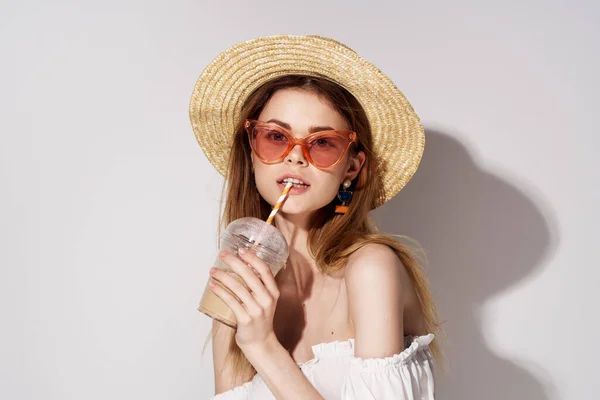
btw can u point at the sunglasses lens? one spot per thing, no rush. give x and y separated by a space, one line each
325 150
271 143
268 143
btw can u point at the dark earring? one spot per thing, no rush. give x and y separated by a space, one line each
344 196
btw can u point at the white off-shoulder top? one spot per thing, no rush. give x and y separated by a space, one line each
338 375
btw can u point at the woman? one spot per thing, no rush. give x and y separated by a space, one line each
351 316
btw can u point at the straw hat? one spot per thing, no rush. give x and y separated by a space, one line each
222 88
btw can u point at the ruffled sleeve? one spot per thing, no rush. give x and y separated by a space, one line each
404 376
237 393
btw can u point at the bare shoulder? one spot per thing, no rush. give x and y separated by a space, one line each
375 283
374 262
375 274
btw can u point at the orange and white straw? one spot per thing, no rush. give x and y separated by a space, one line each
280 202
276 208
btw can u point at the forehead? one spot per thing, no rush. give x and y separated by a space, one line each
302 109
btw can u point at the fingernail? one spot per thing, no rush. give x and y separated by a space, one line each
223 253
212 270
242 251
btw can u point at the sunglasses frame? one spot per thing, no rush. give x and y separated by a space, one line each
249 124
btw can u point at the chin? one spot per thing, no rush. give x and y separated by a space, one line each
300 206
294 209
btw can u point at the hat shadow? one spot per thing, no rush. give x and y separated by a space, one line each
483 232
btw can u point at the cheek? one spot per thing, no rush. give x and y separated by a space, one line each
328 186
330 192
264 184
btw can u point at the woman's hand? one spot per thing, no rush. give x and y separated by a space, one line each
257 308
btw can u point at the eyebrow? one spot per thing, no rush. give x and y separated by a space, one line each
311 129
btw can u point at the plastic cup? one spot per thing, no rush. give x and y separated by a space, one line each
244 233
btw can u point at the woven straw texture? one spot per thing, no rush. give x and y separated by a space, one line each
223 86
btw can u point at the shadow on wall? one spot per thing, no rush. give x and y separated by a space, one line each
482 234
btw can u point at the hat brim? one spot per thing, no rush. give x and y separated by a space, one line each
224 85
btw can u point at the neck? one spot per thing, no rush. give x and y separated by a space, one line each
301 269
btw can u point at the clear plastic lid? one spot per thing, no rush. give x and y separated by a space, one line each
251 230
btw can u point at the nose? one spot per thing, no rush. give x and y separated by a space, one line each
296 156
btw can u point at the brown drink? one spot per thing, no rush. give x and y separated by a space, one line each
244 232
214 307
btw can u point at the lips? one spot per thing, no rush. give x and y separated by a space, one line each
294 189
298 177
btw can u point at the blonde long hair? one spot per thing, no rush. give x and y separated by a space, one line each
332 237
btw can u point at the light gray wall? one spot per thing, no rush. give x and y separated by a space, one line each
108 207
